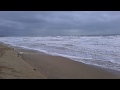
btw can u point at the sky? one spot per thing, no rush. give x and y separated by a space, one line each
57 23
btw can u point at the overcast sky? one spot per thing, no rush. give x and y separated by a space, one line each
51 23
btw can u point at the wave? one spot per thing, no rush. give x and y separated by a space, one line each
102 51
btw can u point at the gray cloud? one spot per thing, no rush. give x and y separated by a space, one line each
42 23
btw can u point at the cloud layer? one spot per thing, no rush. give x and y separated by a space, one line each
47 23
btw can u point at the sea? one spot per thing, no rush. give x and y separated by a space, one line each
102 51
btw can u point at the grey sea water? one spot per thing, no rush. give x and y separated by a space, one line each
103 51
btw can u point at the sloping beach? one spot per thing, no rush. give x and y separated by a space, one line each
35 65
12 66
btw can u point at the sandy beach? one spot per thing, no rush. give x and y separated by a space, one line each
35 65
13 66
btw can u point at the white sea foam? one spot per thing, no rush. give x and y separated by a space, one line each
102 51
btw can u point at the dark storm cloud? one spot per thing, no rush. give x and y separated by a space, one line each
59 22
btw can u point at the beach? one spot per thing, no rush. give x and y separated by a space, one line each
12 66
17 63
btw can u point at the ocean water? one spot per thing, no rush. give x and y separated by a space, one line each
103 51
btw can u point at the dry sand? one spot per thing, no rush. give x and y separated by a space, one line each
13 66
36 65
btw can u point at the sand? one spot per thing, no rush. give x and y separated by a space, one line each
35 65
13 66
56 67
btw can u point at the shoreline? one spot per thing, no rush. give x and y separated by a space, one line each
41 57
30 51
57 67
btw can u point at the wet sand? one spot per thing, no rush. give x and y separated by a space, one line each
57 67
